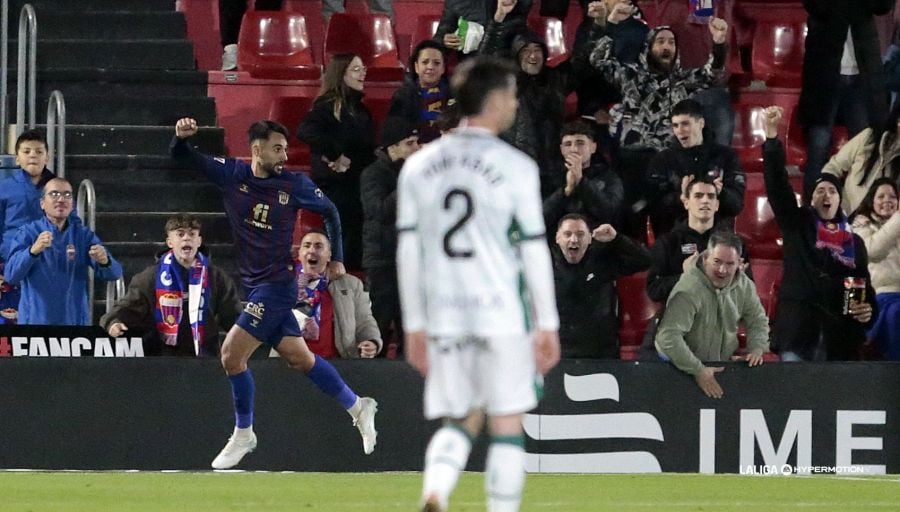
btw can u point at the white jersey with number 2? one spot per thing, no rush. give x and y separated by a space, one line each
470 199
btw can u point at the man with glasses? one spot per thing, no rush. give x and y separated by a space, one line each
50 257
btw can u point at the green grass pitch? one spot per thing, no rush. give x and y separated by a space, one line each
377 492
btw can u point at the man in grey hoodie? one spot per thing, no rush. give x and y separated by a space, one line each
703 313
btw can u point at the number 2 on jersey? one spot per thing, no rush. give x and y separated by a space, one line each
466 198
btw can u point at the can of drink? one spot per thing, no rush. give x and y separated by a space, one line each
854 291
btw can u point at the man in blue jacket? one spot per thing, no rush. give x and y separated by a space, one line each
50 258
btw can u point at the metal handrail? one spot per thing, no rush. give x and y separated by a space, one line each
115 290
56 125
87 211
27 51
4 71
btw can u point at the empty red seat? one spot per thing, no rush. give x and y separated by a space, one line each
551 30
371 37
779 39
306 220
635 311
290 111
756 222
426 26
275 45
767 276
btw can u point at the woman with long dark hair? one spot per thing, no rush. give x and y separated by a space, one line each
425 92
826 301
872 154
877 222
341 137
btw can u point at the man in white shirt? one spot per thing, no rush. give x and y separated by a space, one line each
470 226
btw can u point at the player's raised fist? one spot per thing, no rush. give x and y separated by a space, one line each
185 127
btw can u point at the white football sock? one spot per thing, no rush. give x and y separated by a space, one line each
504 477
445 458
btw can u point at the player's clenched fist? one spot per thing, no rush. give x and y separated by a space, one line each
185 127
44 240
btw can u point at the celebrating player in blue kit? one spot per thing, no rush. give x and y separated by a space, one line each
261 203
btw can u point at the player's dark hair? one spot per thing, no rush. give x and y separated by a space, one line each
476 78
708 180
578 127
572 216
262 130
33 135
726 238
688 108
182 221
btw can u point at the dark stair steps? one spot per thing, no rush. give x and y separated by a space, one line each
120 196
53 24
149 226
130 169
109 83
155 110
122 54
136 140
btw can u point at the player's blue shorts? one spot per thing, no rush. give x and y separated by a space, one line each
268 315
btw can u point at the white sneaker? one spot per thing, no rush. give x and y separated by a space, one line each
229 58
238 445
365 422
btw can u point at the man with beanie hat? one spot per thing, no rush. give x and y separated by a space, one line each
378 193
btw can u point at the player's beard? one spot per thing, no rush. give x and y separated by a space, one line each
273 169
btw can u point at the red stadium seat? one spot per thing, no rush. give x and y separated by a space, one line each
290 111
749 131
378 109
275 45
767 276
426 26
551 31
371 37
779 40
756 222
635 311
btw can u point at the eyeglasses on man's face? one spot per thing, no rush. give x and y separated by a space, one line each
56 194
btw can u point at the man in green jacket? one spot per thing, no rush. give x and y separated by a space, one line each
703 313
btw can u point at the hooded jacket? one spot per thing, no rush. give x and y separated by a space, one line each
542 97
849 164
20 203
648 94
701 321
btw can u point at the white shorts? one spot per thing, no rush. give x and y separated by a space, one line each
495 374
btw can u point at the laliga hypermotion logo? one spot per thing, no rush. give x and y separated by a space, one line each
558 427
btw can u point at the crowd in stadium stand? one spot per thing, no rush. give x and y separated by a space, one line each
642 174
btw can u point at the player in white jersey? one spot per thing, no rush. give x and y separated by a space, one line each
470 228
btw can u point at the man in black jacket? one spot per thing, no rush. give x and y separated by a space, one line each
585 267
691 157
578 183
378 193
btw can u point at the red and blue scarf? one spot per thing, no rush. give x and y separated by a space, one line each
170 296
837 237
310 290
